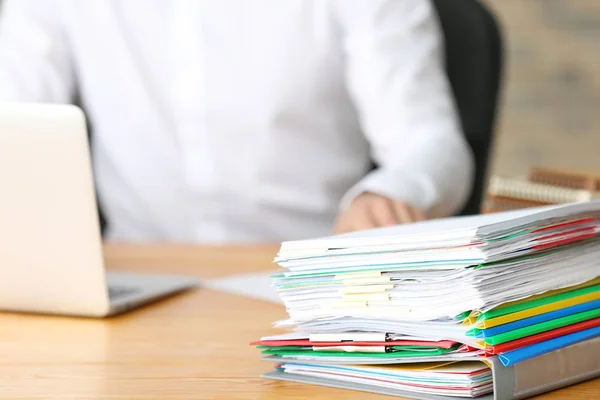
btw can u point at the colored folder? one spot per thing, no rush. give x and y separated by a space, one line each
410 352
537 319
542 327
540 337
528 352
444 344
471 317
538 306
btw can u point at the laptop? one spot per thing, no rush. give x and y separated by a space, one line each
51 257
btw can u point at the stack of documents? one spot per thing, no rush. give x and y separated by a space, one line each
467 379
509 286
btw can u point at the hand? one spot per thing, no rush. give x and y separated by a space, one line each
370 210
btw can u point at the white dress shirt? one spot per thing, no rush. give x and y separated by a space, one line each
235 120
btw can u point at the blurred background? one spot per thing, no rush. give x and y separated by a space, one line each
549 112
550 101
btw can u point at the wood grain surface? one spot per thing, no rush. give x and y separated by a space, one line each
192 346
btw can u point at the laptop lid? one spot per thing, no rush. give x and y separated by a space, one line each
50 247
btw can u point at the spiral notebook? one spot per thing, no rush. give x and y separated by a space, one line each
538 192
542 187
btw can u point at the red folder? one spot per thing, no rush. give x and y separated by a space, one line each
540 337
443 344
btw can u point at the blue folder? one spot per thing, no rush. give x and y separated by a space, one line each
537 349
536 319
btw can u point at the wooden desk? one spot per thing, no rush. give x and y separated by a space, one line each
193 346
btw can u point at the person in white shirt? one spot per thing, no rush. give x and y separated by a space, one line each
247 121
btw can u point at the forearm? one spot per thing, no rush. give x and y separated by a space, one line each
396 77
436 179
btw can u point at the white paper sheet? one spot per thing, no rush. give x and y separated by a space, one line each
255 285
454 231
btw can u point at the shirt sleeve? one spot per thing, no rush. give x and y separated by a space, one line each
396 78
35 65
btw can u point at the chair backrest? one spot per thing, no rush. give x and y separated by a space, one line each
473 47
77 100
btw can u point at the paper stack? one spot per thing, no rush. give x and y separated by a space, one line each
505 286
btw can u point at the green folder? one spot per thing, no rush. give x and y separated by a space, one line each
343 354
497 312
421 349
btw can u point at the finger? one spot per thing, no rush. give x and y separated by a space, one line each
417 215
355 218
382 212
402 211
341 223
361 219
342 226
339 227
358 216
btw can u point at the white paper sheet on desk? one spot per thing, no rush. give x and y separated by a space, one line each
256 285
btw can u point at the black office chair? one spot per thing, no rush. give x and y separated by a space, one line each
79 102
473 47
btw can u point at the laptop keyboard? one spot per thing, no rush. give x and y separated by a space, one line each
114 292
